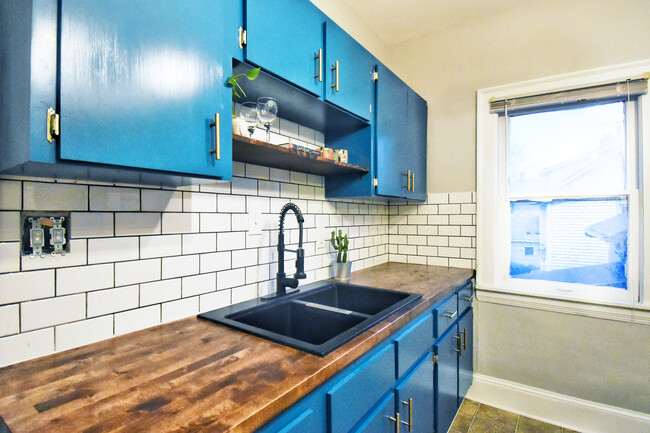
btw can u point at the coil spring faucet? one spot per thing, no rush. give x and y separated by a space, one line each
282 281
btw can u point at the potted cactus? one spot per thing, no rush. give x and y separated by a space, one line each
341 266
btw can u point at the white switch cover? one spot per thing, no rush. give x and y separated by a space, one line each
322 238
255 223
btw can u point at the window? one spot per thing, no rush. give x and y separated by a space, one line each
559 211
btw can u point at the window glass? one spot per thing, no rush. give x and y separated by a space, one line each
570 241
579 149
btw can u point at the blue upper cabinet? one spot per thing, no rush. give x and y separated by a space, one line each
348 72
145 87
401 138
285 37
393 160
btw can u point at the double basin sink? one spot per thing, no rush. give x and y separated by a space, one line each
320 318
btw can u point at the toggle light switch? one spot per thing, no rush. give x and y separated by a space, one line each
45 232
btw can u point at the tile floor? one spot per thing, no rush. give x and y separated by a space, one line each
475 417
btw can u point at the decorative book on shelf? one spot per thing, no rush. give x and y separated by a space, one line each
258 152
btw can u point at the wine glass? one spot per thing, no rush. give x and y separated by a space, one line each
248 112
267 111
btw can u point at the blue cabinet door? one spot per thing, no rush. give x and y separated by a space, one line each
284 37
140 85
379 420
415 397
393 160
348 72
417 143
446 379
465 359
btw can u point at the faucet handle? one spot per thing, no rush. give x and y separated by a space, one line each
300 264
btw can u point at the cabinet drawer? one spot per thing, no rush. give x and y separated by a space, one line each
411 344
444 315
356 393
465 297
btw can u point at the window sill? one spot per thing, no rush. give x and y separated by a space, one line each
631 313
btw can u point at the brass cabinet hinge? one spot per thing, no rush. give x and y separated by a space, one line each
375 182
53 125
375 76
242 37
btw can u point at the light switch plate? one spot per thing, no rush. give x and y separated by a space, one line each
255 223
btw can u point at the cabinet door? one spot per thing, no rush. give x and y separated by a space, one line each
465 359
140 85
348 72
446 379
391 111
415 397
283 37
379 420
417 145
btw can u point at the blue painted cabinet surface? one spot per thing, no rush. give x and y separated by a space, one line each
417 143
446 379
140 88
348 72
379 420
415 397
284 37
466 356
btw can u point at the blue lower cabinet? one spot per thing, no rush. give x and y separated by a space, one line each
446 379
466 355
415 398
382 419
400 379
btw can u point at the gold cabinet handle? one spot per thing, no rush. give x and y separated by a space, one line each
450 314
397 421
469 298
319 56
408 179
410 405
53 125
335 68
413 182
217 136
460 345
463 340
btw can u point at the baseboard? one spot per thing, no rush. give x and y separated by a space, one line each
570 412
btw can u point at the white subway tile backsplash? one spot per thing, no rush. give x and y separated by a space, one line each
11 195
180 266
134 320
289 190
180 223
9 226
449 230
52 311
10 256
231 203
84 332
82 279
138 271
465 220
256 274
39 196
132 223
103 198
160 246
244 186
199 202
215 261
268 188
104 250
244 293
27 345
449 209
239 222
198 284
9 320
231 241
243 258
156 200
160 291
231 278
215 222
25 286
437 261
221 187
199 243
180 309
214 300
461 197
279 175
91 224
112 300
437 198
257 171
76 256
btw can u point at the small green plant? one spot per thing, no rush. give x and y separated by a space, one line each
340 243
236 88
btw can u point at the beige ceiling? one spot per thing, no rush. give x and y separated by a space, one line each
396 21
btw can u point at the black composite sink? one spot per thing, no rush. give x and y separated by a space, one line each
321 317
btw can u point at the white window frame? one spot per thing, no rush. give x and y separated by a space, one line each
493 211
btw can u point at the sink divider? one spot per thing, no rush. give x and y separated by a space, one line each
330 308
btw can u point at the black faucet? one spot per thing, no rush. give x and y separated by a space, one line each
282 281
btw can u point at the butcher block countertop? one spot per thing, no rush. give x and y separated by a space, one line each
193 375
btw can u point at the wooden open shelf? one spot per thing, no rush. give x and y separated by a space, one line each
253 151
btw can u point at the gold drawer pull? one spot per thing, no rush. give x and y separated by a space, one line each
335 68
450 314
319 56
217 137
410 405
397 421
